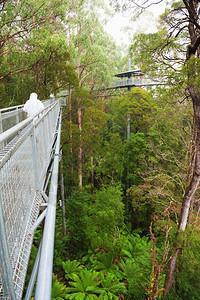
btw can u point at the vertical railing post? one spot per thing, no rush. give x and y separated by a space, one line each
47 129
17 115
1 131
5 266
1 125
33 274
43 143
63 197
35 161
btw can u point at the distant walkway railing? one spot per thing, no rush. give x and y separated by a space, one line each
13 115
133 81
29 148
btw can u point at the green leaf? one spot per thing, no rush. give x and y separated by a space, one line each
58 291
71 268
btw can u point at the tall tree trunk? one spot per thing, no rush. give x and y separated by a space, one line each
190 190
192 50
36 73
191 154
191 167
80 165
70 138
80 156
197 210
92 175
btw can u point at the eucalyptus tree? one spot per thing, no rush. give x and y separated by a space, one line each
92 54
184 16
174 51
31 36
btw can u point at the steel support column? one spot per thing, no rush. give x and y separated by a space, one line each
5 266
44 278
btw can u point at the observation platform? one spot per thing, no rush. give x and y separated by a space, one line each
132 78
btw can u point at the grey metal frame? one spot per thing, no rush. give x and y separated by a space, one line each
133 82
11 116
44 277
23 166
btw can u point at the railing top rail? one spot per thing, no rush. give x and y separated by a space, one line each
133 81
11 108
8 109
10 132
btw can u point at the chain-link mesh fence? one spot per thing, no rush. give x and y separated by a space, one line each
23 166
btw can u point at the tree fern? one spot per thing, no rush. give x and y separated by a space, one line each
84 286
111 286
71 268
104 263
58 290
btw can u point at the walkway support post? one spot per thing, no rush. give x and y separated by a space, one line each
44 278
5 266
33 275
63 197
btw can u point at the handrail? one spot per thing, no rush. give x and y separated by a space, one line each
11 107
10 132
133 81
23 169
44 278
10 116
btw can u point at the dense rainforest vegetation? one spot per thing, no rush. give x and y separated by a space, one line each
132 200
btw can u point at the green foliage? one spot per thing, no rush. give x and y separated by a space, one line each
136 264
34 55
107 213
187 275
94 120
111 286
30 266
147 49
105 263
136 160
88 284
132 265
192 67
58 291
61 244
134 275
93 220
137 245
79 219
110 165
71 268
138 106
84 286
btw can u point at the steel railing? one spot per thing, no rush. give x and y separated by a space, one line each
133 81
10 116
24 161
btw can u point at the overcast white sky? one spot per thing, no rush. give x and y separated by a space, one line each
122 29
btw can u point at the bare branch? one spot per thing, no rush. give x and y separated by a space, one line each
146 4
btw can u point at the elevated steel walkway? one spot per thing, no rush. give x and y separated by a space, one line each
29 159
